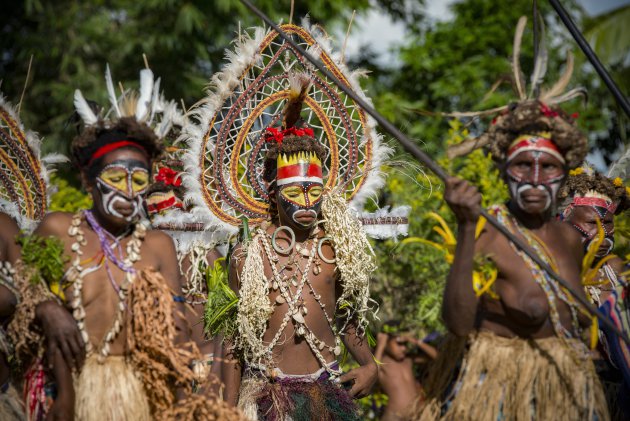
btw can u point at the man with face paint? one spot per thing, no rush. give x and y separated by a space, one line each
590 202
523 352
292 370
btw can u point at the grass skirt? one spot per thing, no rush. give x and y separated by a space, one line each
110 391
11 408
514 379
295 398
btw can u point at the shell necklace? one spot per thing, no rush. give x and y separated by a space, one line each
76 274
287 275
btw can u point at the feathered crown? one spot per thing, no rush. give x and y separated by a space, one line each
534 109
147 105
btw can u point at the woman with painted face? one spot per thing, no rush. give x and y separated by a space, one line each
522 346
590 202
121 283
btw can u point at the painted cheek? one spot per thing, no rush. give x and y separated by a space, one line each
298 199
139 181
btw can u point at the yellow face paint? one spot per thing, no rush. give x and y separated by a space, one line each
314 193
294 194
129 181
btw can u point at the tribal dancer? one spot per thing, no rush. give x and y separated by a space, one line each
120 281
301 282
197 249
590 202
521 354
23 201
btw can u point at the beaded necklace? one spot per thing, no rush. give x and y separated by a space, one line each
285 276
76 273
551 289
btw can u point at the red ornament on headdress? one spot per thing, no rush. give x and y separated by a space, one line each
168 177
273 134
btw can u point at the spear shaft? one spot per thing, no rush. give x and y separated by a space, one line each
410 147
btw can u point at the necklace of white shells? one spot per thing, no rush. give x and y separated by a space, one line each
112 252
287 275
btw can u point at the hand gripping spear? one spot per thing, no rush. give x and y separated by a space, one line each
410 147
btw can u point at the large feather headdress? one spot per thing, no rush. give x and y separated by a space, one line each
226 147
553 96
24 182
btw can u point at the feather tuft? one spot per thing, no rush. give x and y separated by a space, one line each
83 109
111 92
144 99
519 83
540 62
299 84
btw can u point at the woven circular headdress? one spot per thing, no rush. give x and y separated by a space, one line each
23 174
227 147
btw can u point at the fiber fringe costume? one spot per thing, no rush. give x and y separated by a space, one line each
255 105
486 377
24 194
141 384
605 196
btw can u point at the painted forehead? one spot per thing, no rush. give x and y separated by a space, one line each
534 143
301 167
126 164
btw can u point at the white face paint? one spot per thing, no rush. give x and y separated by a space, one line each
121 185
110 198
529 174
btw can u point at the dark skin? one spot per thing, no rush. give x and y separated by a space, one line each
586 218
292 354
194 316
9 252
395 374
100 300
523 309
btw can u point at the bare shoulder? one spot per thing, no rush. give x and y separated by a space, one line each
567 233
159 238
486 239
9 225
617 264
55 224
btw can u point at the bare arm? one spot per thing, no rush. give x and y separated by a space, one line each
381 344
58 325
460 302
365 376
231 369
169 268
63 406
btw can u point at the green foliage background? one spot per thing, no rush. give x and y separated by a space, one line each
438 66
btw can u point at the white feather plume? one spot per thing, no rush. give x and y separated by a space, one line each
384 231
621 168
540 61
83 108
111 92
144 100
156 100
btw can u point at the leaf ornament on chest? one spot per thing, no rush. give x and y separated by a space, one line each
248 102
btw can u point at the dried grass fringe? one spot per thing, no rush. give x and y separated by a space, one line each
250 390
25 335
110 391
514 379
11 407
354 258
161 366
